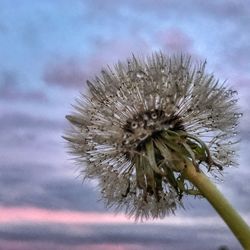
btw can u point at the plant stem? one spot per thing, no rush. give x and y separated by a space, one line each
234 221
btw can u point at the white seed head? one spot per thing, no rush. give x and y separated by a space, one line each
142 120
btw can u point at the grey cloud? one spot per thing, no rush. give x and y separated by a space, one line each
69 73
10 90
219 9
236 183
18 95
36 185
72 72
72 194
28 131
39 185
17 120
157 237
228 22
240 184
222 9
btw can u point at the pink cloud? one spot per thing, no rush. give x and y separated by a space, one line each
38 215
114 247
15 215
175 40
67 73
41 245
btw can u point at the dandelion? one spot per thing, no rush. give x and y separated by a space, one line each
147 126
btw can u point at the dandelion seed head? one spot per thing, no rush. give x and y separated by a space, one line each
139 124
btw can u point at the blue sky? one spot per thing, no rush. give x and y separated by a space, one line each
48 50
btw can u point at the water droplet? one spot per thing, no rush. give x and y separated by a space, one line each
238 115
127 142
233 101
134 125
154 115
125 136
143 136
140 74
230 93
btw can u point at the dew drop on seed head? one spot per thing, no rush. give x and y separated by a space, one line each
238 115
217 178
125 136
127 142
233 101
233 92
134 125
139 75
154 115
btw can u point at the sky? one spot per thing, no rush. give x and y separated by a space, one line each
48 49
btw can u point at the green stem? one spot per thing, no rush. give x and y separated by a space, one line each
234 221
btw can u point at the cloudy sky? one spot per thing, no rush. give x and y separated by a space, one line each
47 51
